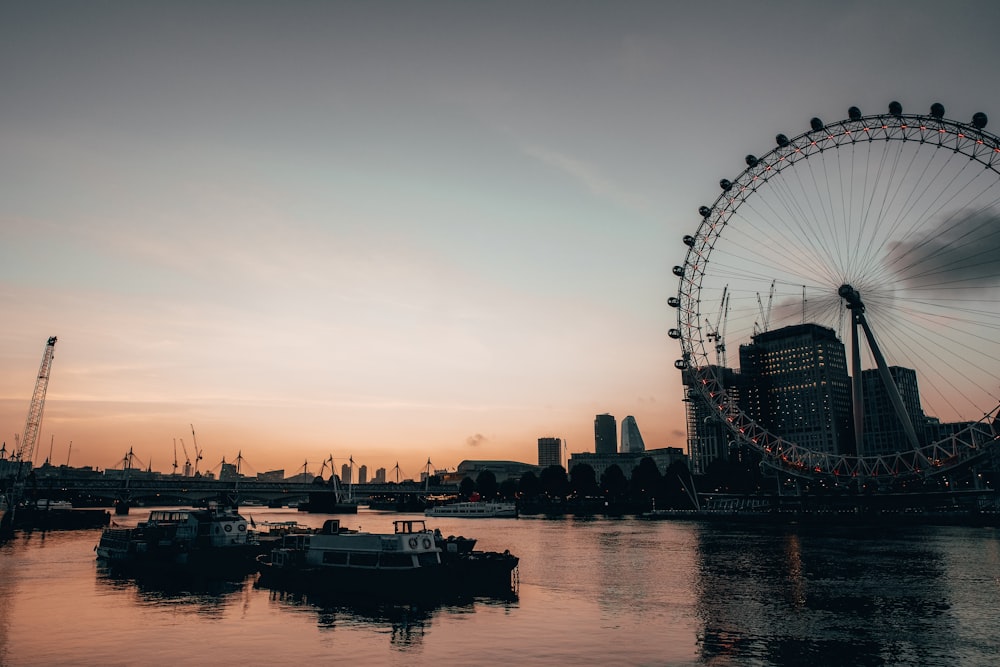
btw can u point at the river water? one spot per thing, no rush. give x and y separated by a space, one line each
592 591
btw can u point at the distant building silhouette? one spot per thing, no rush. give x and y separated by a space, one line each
662 457
883 430
345 474
549 452
379 476
631 438
227 473
605 434
708 436
362 474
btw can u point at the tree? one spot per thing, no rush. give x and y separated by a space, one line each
613 483
508 489
554 482
583 480
528 485
466 487
645 480
676 488
487 485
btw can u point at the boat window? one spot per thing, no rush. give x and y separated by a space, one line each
335 557
396 560
364 558
427 558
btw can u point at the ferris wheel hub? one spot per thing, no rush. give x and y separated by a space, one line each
852 297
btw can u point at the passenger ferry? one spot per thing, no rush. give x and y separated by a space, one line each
338 560
203 541
473 509
412 562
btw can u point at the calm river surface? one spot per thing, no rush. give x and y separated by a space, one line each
592 592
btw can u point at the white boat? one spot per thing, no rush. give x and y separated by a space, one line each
412 562
338 560
473 509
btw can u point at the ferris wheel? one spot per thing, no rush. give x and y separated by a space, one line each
883 229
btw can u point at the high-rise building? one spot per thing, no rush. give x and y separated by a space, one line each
549 452
883 430
379 476
802 391
362 474
708 436
605 434
631 438
345 474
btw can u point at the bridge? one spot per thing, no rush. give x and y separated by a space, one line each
87 487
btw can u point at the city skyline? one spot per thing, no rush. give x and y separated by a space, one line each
390 231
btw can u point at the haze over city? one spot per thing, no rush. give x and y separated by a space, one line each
397 231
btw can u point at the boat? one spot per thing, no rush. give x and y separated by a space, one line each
408 563
49 504
473 509
399 501
329 500
479 572
212 541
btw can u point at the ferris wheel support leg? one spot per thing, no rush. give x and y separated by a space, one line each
890 385
857 397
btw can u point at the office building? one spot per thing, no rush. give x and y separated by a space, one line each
708 435
631 438
549 452
605 434
883 431
802 391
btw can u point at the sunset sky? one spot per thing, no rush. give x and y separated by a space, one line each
396 231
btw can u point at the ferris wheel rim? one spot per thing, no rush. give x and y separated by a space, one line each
968 139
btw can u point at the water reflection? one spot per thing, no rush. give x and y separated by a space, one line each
405 623
811 596
201 595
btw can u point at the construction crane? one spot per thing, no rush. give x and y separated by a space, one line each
187 459
175 456
765 313
33 425
717 334
197 452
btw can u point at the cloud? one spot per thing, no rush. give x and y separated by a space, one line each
961 252
475 440
590 176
